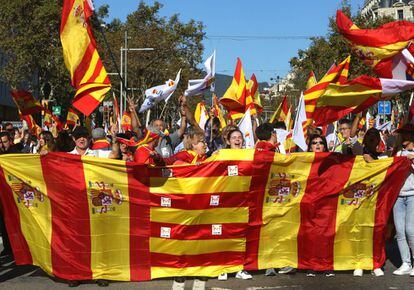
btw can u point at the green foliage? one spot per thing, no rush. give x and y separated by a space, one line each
30 44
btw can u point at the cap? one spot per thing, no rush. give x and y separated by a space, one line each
80 132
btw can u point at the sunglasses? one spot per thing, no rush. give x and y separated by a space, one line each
316 142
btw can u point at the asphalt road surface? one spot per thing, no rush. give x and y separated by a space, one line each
32 278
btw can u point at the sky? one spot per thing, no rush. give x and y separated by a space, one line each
286 22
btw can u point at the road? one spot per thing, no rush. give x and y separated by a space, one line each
32 278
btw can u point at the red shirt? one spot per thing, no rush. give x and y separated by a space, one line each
186 156
266 146
146 155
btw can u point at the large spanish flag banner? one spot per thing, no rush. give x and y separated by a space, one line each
88 75
377 47
104 219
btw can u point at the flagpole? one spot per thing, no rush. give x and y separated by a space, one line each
148 118
162 112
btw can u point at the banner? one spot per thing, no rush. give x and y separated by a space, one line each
107 219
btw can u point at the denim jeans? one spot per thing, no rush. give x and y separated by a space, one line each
404 225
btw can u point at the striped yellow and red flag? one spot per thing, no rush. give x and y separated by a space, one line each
355 96
72 118
218 112
31 124
88 75
252 96
377 47
234 99
25 102
311 80
108 219
336 74
281 112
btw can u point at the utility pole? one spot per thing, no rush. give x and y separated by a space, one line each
124 70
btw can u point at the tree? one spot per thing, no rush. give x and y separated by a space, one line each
30 44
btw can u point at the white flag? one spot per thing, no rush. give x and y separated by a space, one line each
203 117
298 136
281 138
246 127
159 93
196 87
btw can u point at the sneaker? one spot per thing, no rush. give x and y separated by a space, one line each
412 273
222 277
102 283
270 272
329 274
378 272
405 269
199 284
310 273
358 273
178 284
243 275
286 270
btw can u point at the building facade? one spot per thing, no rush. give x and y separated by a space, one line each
397 9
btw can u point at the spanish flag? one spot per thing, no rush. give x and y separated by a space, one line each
234 99
356 96
377 47
109 219
72 118
126 121
87 72
26 103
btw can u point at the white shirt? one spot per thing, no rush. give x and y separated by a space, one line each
88 152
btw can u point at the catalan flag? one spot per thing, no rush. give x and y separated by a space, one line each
25 102
281 112
252 96
356 96
377 47
88 75
109 219
234 99
336 74
218 111
311 80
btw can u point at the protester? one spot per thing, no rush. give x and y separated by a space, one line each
235 139
82 140
64 142
370 142
348 130
146 153
404 207
194 153
6 147
267 138
29 142
125 147
317 143
212 135
46 143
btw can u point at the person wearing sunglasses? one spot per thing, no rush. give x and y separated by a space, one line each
317 143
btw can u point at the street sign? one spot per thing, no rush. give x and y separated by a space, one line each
57 110
384 107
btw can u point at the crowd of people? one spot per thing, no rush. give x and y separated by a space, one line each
154 145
